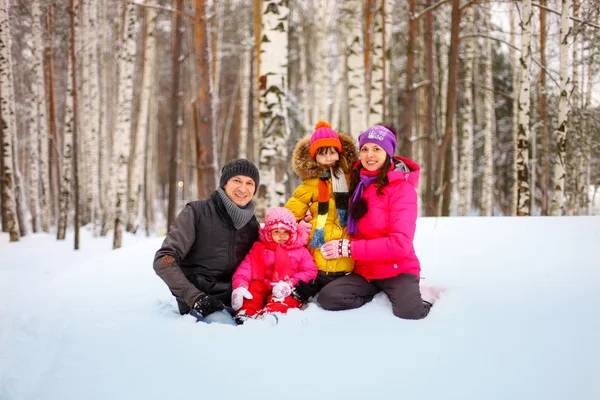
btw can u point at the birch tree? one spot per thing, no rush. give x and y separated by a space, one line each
376 71
33 167
41 122
515 114
357 102
488 124
465 177
273 122
246 88
8 126
206 161
410 68
123 124
93 112
66 182
545 175
320 77
522 156
443 161
558 194
141 131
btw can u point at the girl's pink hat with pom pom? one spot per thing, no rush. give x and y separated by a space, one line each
324 136
281 218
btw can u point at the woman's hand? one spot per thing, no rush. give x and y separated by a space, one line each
336 248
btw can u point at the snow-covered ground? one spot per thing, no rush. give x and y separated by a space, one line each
520 320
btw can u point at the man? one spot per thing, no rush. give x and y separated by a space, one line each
208 240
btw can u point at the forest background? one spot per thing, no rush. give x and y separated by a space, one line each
115 113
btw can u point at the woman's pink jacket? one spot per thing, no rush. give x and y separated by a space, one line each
383 247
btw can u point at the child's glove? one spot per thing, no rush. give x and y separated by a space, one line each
336 249
305 225
281 289
237 297
206 304
304 291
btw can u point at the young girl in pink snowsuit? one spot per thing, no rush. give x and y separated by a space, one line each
276 263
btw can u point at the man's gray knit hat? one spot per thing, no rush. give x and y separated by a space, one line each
239 166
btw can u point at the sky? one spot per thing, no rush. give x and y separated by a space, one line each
518 320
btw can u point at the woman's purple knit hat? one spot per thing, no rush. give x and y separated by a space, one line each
381 136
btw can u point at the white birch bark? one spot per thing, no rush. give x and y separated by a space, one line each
84 150
93 120
33 159
141 130
377 79
465 177
319 84
7 104
444 24
306 104
42 121
67 159
108 107
522 156
273 123
558 195
246 71
515 110
488 124
389 10
592 37
123 123
355 49
575 155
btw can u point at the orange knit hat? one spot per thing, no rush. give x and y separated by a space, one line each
324 136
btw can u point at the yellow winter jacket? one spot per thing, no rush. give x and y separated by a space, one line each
305 198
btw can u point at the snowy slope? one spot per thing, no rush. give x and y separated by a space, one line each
520 320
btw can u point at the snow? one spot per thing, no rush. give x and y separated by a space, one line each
519 320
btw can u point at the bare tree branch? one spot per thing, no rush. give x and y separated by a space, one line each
573 18
162 8
481 35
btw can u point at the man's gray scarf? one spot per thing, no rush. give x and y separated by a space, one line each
239 216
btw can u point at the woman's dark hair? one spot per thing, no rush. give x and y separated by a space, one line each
382 179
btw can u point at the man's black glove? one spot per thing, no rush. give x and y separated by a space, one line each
206 304
304 291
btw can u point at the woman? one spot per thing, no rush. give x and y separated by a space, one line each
382 222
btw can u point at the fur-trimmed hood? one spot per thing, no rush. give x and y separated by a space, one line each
307 168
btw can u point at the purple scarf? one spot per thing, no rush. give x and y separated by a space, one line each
365 181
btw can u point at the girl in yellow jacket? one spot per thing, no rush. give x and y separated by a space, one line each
323 161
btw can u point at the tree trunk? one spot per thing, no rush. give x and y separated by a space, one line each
141 131
246 71
74 14
442 165
273 122
465 177
488 124
515 102
357 103
53 141
522 156
558 195
545 156
8 126
410 68
67 157
205 160
122 140
377 81
428 121
41 118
